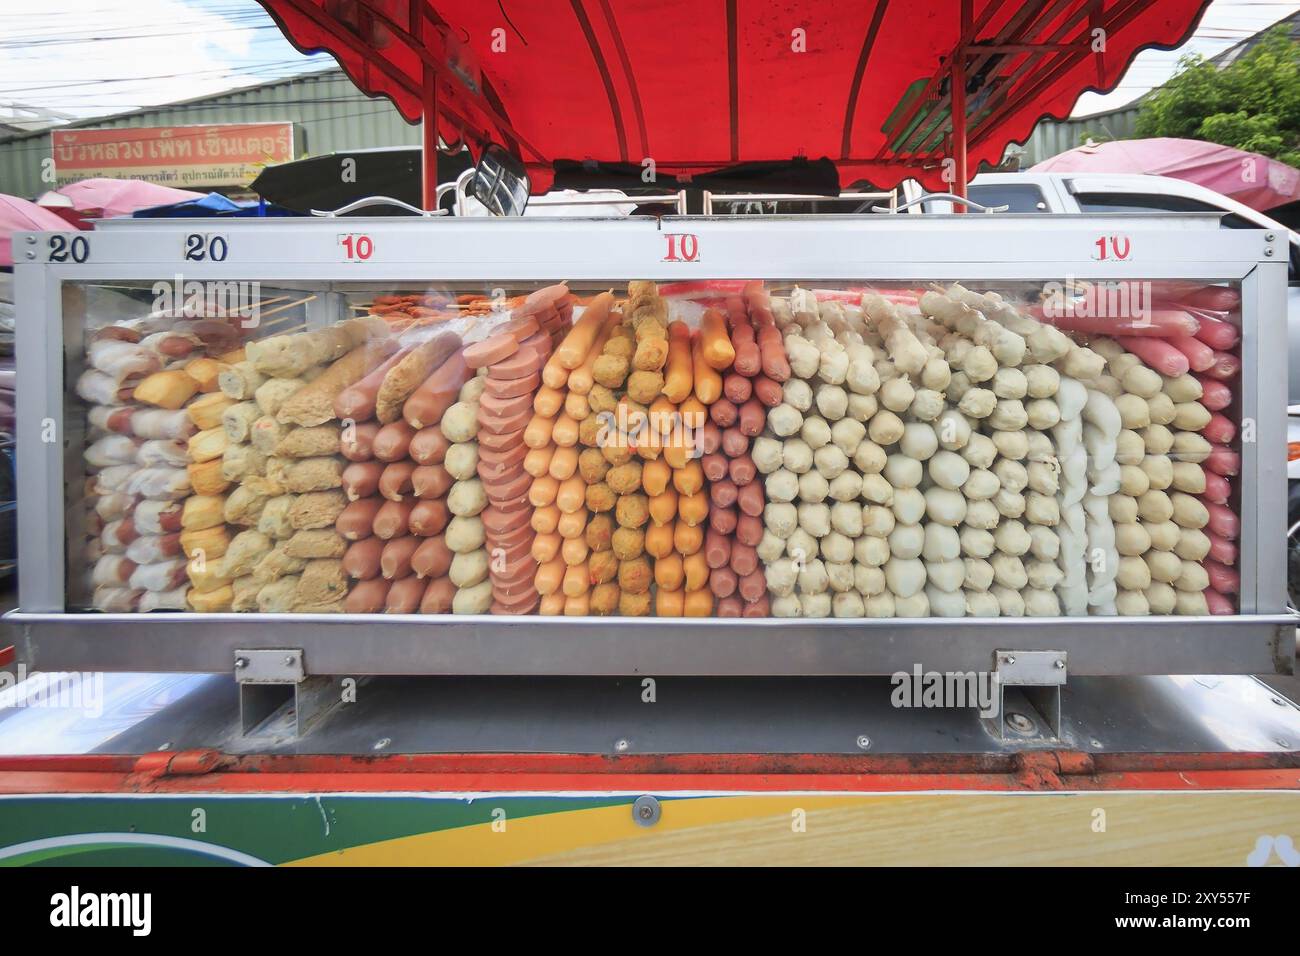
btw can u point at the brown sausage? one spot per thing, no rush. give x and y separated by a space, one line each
722 520
357 401
752 417
710 438
722 582
361 479
393 441
723 413
429 481
753 587
395 483
392 518
358 442
367 597
741 469
428 446
437 393
717 550
751 498
357 520
772 347
438 596
730 606
361 560
404 596
428 517
768 392
749 530
431 558
758 607
722 494
736 387
734 443
715 466
744 559
395 561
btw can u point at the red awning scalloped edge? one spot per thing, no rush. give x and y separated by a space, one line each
688 86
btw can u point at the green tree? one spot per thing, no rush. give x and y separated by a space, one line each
1252 104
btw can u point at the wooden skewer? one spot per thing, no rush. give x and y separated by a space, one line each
287 306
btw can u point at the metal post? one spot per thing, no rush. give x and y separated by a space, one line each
429 131
958 117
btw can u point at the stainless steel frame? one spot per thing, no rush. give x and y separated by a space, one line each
807 248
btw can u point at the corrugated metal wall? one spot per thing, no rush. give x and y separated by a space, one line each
327 111
1051 137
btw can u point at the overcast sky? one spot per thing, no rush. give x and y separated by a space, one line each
93 57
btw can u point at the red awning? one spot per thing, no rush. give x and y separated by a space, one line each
696 85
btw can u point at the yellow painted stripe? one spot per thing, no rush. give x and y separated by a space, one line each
897 829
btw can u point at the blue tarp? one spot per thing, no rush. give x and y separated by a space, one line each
212 205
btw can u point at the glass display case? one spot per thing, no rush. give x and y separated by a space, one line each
807 446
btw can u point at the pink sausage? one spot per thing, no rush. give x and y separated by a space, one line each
1222 550
1217 488
1223 579
717 550
1223 461
1218 335
741 470
1226 366
722 582
1219 604
1222 521
1219 429
722 520
1215 395
1157 353
1199 355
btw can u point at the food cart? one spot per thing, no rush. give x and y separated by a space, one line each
261 677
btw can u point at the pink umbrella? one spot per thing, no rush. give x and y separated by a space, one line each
19 215
105 198
1249 178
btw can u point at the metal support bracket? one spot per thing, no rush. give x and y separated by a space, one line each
271 679
1037 677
